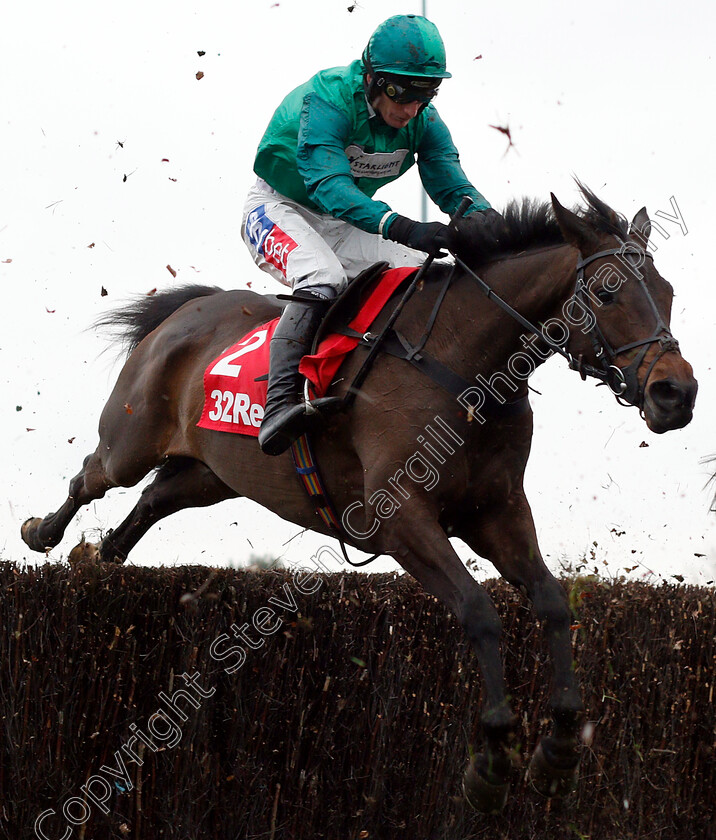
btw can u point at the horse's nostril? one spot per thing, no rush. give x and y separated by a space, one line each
668 394
664 392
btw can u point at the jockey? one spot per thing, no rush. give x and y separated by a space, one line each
311 221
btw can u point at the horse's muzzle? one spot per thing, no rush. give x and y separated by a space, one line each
669 402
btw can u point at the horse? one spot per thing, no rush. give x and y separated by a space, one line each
580 283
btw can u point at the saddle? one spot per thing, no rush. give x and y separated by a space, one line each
349 302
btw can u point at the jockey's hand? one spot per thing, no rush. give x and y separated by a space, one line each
479 234
430 237
486 225
488 220
492 217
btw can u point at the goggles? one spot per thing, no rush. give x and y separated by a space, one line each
409 90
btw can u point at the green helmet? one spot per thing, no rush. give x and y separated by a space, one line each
406 45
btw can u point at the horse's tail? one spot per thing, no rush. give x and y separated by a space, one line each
136 320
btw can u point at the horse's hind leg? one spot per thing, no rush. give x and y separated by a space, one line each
505 535
180 483
89 484
120 460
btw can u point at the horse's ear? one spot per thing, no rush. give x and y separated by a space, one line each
574 228
640 228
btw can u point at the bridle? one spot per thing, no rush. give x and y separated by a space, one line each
623 381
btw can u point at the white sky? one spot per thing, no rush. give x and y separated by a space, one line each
619 94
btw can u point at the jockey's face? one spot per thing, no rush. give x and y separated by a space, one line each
395 114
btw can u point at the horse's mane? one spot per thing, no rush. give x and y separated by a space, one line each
529 224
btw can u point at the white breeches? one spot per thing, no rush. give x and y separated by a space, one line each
302 248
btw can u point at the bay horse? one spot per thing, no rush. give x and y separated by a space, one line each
581 284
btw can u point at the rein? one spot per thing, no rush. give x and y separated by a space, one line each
623 382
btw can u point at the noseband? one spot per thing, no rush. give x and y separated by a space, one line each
623 382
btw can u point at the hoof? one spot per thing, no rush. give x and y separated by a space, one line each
549 778
484 796
28 532
83 553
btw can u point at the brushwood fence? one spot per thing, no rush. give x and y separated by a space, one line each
332 706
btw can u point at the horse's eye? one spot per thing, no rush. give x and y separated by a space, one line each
604 296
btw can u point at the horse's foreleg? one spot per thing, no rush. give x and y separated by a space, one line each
180 483
425 552
505 535
89 484
554 766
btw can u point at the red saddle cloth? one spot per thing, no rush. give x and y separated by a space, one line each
234 401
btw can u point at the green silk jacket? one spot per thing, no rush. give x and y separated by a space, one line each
326 148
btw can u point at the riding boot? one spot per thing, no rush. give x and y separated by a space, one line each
287 416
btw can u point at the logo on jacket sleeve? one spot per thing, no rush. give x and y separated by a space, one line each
274 244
